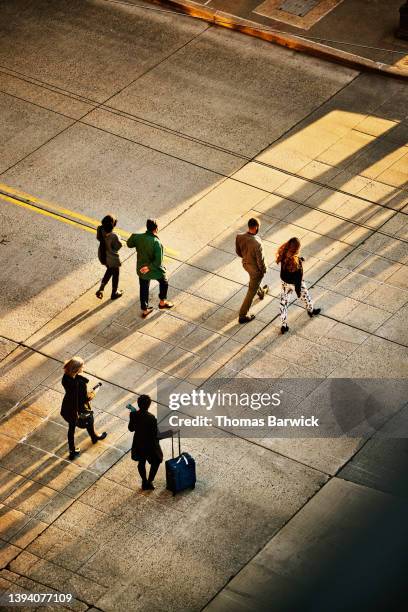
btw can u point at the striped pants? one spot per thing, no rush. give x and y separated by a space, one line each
284 299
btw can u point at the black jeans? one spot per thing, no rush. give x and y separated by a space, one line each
144 290
114 273
71 433
154 466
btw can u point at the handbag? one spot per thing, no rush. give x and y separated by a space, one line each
86 416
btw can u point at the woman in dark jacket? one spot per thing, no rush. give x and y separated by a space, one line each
146 445
75 400
292 278
109 245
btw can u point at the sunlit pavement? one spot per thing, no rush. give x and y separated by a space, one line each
110 107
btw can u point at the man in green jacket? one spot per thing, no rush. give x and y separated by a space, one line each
150 266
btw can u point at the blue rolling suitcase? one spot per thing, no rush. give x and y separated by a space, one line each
180 471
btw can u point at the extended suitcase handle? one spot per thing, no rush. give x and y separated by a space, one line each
183 457
172 443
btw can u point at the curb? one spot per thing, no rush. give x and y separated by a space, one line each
296 43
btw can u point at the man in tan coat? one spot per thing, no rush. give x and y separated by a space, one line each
248 246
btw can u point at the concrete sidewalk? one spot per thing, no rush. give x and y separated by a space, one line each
356 33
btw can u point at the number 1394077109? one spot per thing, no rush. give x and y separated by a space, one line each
24 599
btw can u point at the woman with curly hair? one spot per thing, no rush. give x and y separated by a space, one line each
292 278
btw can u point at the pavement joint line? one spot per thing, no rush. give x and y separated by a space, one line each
289 40
112 110
250 441
37 582
79 120
262 547
6 93
52 562
89 224
262 28
312 285
75 499
65 215
241 156
253 160
45 85
365 441
315 283
215 147
329 477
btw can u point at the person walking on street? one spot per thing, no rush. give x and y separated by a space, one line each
146 445
292 279
248 246
150 266
76 400
109 245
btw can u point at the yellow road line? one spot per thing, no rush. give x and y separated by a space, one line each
59 213
46 213
52 207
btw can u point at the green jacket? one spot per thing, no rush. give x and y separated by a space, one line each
149 251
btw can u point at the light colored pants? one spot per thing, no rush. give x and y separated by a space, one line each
284 299
255 279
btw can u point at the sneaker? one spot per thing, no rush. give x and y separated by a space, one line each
101 437
246 319
166 305
284 329
116 295
314 312
74 453
263 292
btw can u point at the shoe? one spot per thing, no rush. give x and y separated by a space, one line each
150 486
314 312
166 305
74 453
101 437
145 485
284 329
263 292
246 319
117 295
145 313
99 294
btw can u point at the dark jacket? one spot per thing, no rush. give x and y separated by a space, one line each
293 277
146 444
75 398
109 245
249 247
149 253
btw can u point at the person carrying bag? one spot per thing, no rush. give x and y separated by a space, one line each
76 409
108 255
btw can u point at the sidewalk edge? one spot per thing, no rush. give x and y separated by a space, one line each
284 40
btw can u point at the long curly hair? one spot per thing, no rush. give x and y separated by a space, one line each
287 254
